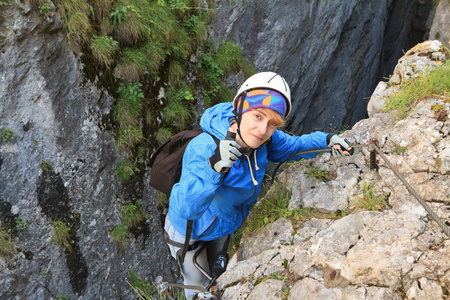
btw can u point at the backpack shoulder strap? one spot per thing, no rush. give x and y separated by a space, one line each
186 240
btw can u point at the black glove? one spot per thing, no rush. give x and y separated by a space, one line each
226 154
343 144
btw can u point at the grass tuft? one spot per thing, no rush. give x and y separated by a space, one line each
6 244
430 83
103 49
131 216
368 200
61 234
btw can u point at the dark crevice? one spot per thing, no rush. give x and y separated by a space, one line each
56 205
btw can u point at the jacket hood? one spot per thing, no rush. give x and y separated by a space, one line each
216 120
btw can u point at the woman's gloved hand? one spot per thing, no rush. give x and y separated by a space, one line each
339 146
226 154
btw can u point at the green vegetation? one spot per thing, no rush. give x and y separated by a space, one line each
369 201
275 205
44 273
127 114
21 223
399 149
176 112
162 201
46 165
142 285
146 291
6 244
131 216
103 49
318 173
430 83
119 235
126 169
44 8
213 64
8 134
61 234
136 47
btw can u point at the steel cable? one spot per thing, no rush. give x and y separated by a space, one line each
433 215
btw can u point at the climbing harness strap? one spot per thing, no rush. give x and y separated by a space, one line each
184 247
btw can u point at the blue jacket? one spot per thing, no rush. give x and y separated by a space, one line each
219 203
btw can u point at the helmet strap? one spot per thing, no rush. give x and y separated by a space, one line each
238 116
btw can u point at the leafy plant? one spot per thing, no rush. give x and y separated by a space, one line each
8 134
212 75
145 41
162 201
6 244
21 223
318 173
120 14
44 273
126 169
61 234
278 276
44 9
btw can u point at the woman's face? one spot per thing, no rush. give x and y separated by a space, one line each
257 126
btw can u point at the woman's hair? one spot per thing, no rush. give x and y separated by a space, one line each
279 121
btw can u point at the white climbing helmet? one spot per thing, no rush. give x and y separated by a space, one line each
266 80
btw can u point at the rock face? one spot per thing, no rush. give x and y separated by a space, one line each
440 28
60 166
331 53
395 253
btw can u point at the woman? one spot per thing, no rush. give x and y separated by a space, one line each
220 181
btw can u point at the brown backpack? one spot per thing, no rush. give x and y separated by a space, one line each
166 161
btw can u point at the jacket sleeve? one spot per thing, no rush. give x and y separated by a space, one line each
284 145
192 195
